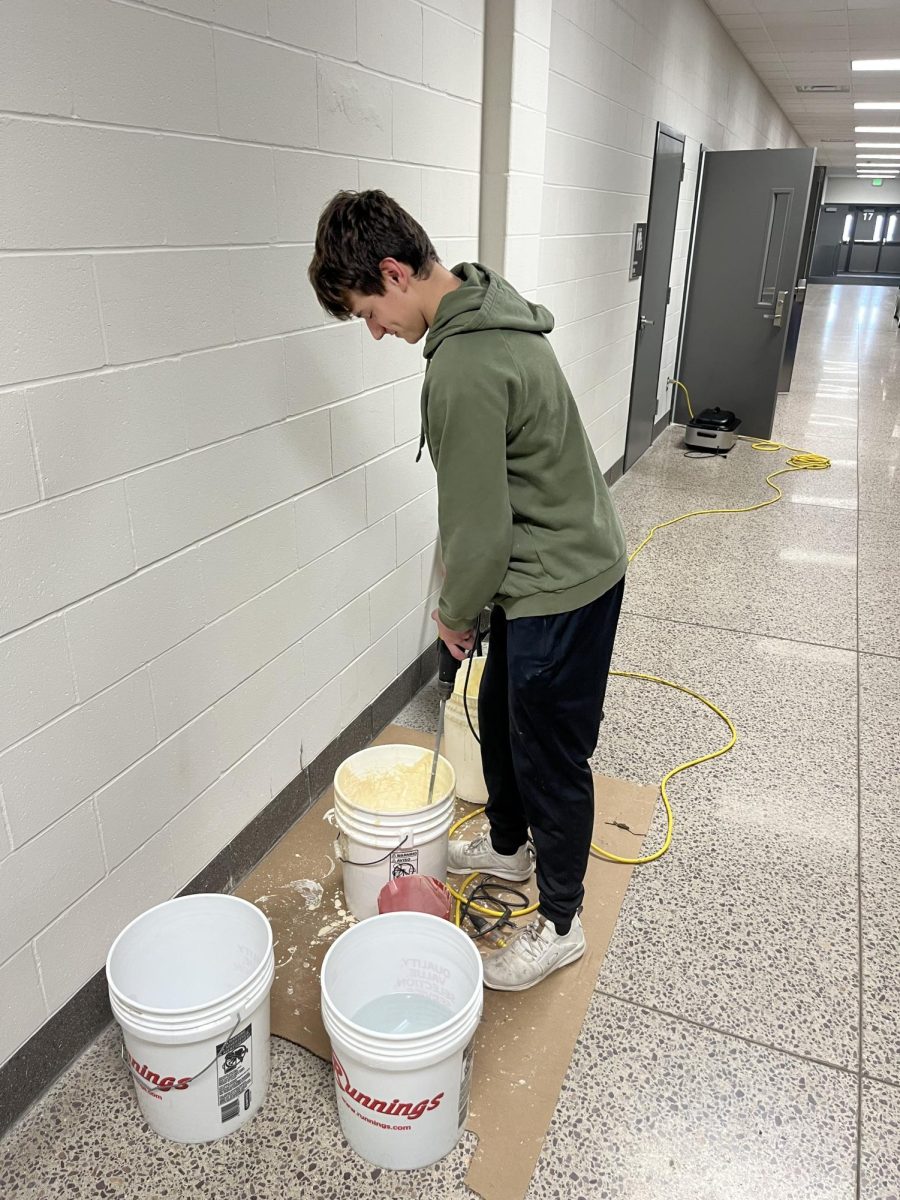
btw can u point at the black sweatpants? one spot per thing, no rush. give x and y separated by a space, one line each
539 707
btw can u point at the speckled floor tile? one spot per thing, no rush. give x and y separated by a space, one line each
879 485
817 351
880 826
879 583
878 432
880 1157
422 710
738 478
824 422
747 929
656 1109
785 571
82 1142
763 941
878 448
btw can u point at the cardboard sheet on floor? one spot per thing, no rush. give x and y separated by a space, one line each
525 1040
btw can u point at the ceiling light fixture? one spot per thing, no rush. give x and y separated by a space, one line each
876 64
878 145
883 105
877 129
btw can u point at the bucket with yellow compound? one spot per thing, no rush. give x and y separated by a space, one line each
387 827
461 738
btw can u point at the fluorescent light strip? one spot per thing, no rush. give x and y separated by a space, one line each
878 145
882 105
877 129
876 64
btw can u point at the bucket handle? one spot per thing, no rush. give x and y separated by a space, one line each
158 1088
375 861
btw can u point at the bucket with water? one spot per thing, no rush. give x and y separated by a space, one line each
189 984
387 828
401 1000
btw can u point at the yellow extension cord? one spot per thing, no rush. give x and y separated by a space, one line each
801 460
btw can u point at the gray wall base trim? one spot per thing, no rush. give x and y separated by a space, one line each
34 1067
615 472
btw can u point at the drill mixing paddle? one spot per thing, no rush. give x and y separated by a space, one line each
447 668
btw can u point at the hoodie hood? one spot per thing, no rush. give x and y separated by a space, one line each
484 301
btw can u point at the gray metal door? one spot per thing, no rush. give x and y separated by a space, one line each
651 326
752 209
829 241
813 209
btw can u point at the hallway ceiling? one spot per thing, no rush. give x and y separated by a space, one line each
802 42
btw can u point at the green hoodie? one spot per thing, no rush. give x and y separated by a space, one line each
524 514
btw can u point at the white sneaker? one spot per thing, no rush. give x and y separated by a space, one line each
531 954
480 855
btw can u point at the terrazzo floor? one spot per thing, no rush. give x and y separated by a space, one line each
743 1042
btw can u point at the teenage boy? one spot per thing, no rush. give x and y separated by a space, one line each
526 525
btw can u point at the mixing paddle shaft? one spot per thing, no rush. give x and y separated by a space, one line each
447 668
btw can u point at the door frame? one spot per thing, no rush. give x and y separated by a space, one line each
692 242
677 136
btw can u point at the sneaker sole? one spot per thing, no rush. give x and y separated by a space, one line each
508 876
571 957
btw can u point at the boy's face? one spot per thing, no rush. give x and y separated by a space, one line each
397 312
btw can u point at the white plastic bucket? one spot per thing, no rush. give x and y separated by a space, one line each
460 746
375 847
403 1097
189 984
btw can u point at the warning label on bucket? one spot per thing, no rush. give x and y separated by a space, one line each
234 1072
404 862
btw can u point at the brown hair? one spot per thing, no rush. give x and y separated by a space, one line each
356 231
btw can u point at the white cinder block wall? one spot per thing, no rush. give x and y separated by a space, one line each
217 547
615 69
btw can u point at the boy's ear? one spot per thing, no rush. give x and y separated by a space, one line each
396 273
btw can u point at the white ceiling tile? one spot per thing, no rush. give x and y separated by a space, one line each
805 6
722 7
809 21
827 38
741 20
791 42
751 38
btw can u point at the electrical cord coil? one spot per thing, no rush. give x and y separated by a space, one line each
800 460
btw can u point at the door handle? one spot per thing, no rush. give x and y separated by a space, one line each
644 322
777 315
